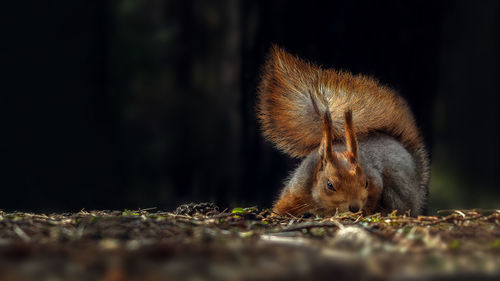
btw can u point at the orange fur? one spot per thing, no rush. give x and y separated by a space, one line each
372 201
350 135
326 144
344 172
285 85
302 107
292 204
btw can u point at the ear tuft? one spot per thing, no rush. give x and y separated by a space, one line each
350 134
326 148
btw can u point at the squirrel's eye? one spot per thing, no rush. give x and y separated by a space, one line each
330 186
366 184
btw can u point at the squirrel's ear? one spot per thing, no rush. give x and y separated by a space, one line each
350 134
325 149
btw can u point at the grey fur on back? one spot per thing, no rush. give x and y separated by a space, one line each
392 167
387 163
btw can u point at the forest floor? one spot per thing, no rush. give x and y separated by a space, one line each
201 242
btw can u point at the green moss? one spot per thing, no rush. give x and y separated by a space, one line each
495 244
455 244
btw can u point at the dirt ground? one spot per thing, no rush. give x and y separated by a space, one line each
202 242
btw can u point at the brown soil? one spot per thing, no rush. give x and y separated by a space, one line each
199 242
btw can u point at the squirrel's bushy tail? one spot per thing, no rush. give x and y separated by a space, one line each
288 118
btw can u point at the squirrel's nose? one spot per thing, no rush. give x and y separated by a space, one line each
354 208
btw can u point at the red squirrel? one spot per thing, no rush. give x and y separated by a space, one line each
361 148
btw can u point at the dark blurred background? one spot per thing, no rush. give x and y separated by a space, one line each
136 104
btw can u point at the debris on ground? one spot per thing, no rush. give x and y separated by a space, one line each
201 242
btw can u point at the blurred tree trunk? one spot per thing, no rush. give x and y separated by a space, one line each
211 66
182 119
